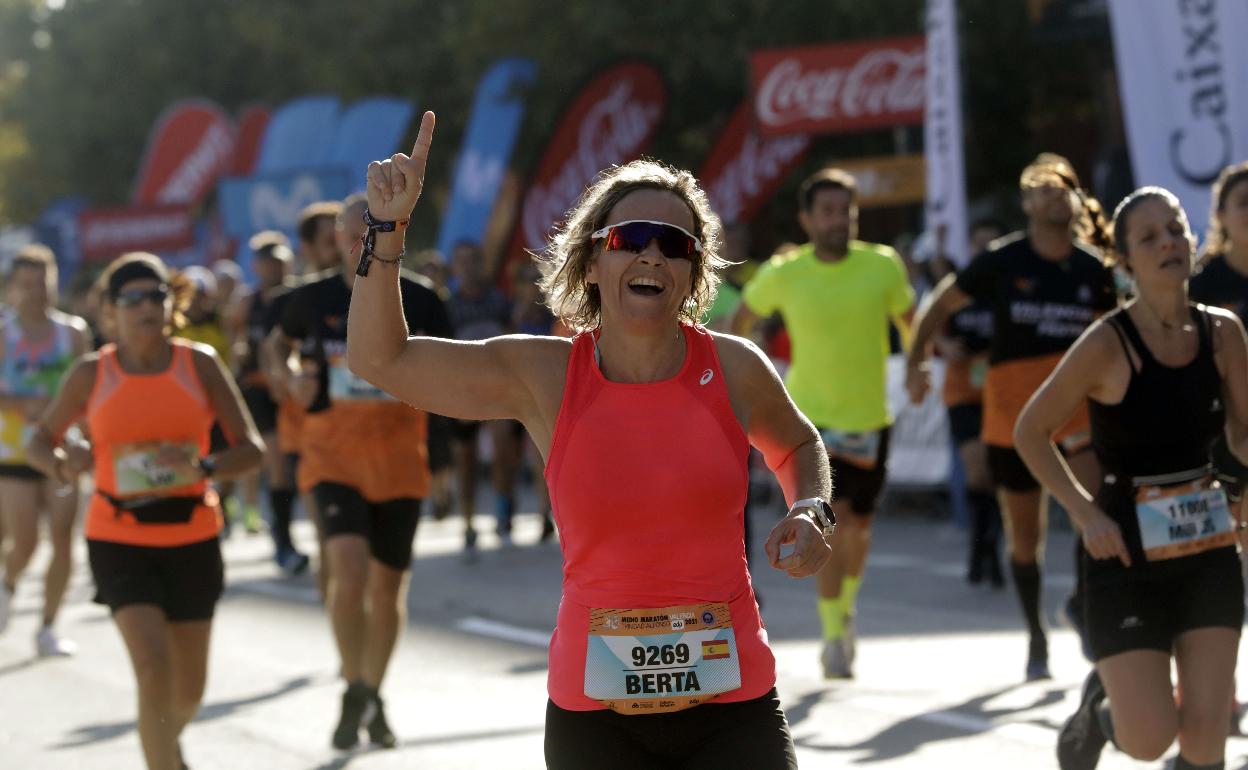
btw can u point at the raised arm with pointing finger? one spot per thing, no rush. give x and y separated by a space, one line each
644 420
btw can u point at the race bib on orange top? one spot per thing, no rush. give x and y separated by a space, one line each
138 473
1183 520
861 449
346 385
15 431
652 661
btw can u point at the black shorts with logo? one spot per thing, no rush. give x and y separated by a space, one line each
185 581
861 487
1147 606
748 735
389 526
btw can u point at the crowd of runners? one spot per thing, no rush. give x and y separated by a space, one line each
631 378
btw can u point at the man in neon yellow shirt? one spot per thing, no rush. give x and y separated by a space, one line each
837 296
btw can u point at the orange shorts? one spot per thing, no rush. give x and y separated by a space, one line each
377 448
1008 388
290 417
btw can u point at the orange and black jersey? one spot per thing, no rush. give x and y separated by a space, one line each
1039 306
316 314
1221 285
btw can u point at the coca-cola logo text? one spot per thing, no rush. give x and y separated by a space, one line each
760 165
613 131
830 89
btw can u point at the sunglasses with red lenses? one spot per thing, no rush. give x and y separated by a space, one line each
635 234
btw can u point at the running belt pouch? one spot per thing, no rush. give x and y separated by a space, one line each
157 510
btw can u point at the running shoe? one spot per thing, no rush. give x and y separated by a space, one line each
470 546
354 702
49 645
6 601
292 562
836 659
548 528
253 522
504 511
379 732
1081 740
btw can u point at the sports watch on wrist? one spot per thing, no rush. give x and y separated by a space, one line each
207 466
822 511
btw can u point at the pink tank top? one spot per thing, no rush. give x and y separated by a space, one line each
648 484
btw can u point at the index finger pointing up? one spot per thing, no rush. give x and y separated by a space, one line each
424 138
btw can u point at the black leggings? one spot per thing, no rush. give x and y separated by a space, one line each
749 735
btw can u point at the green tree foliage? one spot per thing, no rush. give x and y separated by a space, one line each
81 86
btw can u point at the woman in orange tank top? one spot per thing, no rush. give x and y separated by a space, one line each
644 419
149 402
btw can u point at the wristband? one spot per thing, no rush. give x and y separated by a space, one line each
370 240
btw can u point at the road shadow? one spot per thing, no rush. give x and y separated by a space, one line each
342 760
904 737
88 734
20 665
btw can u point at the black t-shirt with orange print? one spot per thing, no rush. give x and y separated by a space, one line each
316 314
1039 308
355 434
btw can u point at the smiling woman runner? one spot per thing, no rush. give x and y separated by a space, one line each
1163 378
659 657
149 402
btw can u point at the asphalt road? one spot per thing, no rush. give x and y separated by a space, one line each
939 680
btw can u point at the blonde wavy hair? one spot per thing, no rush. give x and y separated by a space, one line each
566 261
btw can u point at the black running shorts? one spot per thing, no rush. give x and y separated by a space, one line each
965 423
1125 613
439 440
262 407
185 581
861 488
1009 471
389 526
749 735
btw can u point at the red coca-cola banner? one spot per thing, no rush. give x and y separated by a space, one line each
839 88
744 169
104 233
251 125
611 121
188 148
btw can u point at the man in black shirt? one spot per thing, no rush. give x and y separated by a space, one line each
365 461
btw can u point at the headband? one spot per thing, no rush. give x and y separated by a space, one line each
133 271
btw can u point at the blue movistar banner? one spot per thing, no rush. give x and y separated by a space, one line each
488 142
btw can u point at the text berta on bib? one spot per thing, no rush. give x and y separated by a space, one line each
650 661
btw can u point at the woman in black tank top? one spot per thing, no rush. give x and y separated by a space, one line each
1163 378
